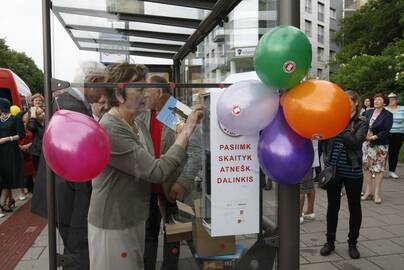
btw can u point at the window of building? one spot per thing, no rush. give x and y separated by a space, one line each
307 27
320 32
333 13
307 6
320 54
333 55
220 49
320 12
319 73
332 35
349 4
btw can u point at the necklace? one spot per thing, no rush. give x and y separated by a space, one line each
133 126
4 117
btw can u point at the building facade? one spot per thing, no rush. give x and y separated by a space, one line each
230 48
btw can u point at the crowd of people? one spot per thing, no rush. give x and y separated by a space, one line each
20 148
114 221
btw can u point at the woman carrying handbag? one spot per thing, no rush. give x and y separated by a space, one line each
344 153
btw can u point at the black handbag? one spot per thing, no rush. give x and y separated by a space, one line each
328 174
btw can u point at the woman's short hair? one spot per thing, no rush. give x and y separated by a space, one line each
35 96
381 95
123 73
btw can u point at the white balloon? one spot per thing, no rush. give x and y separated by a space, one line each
247 107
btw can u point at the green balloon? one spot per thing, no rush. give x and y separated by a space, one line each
283 57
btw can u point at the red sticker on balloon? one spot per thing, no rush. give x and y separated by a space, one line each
236 110
289 67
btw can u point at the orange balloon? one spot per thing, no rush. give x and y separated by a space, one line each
317 109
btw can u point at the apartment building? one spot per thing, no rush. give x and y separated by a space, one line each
230 48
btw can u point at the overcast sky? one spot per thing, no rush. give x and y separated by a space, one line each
21 26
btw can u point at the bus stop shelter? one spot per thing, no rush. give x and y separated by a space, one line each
160 35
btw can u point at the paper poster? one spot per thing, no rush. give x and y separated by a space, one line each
234 179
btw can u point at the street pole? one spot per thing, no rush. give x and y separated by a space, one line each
50 177
288 195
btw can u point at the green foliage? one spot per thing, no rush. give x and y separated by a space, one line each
22 65
370 29
372 55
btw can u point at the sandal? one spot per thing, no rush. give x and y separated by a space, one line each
366 197
378 201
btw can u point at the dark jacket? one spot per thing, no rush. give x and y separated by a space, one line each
381 126
37 131
352 139
72 199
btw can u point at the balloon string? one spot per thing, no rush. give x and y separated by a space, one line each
57 104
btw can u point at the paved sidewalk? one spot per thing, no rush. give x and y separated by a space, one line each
381 241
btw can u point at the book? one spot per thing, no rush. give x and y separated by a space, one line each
174 114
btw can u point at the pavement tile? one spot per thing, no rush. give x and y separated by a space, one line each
356 265
398 230
372 221
399 241
375 233
383 247
389 262
391 219
303 260
386 210
302 244
33 253
368 211
314 226
312 254
313 239
318 266
26 265
41 241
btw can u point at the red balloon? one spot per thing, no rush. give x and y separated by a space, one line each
75 146
317 109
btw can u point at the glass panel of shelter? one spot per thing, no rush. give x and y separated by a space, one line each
227 50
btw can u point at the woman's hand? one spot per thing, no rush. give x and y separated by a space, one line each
25 147
185 132
33 112
192 121
371 138
4 140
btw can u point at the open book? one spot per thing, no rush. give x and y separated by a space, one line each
174 114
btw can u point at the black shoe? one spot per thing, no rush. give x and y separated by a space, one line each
327 249
6 209
353 252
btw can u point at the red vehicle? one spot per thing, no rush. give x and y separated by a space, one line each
14 88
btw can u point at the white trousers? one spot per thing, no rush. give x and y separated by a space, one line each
116 249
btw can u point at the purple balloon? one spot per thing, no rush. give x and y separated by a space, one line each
284 156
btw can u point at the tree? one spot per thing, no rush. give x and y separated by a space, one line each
372 55
370 29
369 74
22 65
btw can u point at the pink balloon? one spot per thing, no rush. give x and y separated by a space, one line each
75 146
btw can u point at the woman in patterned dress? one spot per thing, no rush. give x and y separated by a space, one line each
375 148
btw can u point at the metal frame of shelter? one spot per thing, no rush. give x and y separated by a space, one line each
282 241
